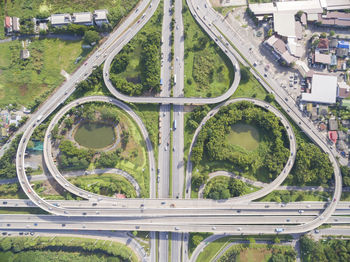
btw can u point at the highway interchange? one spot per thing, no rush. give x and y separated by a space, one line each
152 214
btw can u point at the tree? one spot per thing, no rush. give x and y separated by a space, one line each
12 128
270 32
331 33
323 35
245 74
269 98
197 239
236 187
91 37
68 122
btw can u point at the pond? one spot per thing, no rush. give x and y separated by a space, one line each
244 135
94 135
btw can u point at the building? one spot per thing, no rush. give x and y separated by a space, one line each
15 24
343 90
323 90
14 119
323 58
279 49
338 19
58 20
84 18
344 44
100 17
333 43
8 24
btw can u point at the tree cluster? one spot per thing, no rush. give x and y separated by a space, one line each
212 143
22 244
109 159
311 166
7 165
71 157
329 250
218 188
149 65
345 171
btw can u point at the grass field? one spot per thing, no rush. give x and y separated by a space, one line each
206 62
39 248
22 210
22 82
249 252
195 239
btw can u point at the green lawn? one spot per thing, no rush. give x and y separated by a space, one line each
195 239
252 88
292 196
22 82
208 71
105 184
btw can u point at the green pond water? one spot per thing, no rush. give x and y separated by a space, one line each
95 135
245 136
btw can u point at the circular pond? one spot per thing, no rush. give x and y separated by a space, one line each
94 135
244 135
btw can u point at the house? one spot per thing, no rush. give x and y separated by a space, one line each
342 52
323 90
58 20
322 58
100 17
15 24
334 60
343 90
84 18
24 54
333 125
323 45
14 119
322 126
333 136
8 24
337 19
341 145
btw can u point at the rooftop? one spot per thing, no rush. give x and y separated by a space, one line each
284 24
323 90
57 19
84 17
322 58
100 14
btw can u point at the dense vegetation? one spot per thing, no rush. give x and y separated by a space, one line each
7 161
224 188
209 73
73 158
67 249
136 69
332 250
105 184
212 145
345 171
